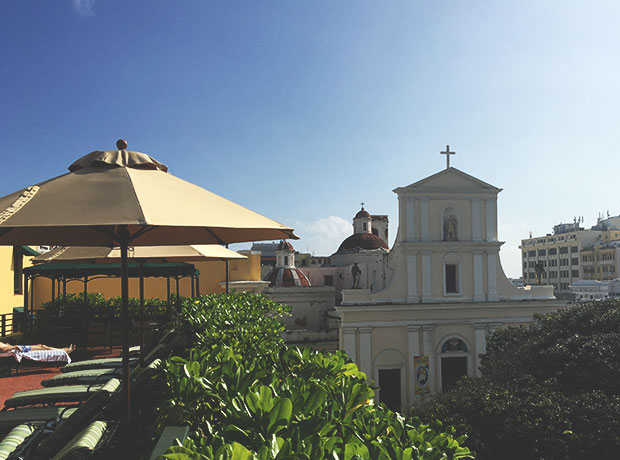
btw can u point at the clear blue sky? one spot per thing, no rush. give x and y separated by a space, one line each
301 110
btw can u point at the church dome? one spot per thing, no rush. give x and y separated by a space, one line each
362 214
287 277
366 241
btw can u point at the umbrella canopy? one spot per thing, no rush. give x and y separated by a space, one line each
191 253
106 189
121 198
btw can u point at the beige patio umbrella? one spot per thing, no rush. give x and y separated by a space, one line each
185 253
122 198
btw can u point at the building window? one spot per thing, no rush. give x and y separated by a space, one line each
285 260
575 273
451 279
532 253
328 280
17 270
574 261
365 226
574 249
564 250
542 252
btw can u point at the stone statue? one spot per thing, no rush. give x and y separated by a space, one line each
540 271
356 273
449 229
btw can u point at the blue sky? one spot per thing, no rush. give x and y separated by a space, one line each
301 110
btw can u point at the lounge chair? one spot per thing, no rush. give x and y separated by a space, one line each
16 437
111 363
66 441
85 377
12 418
87 441
63 433
64 394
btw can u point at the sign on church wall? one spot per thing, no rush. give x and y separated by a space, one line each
421 374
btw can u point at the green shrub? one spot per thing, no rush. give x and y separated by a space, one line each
246 395
549 391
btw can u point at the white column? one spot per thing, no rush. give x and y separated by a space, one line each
428 349
475 219
491 230
366 352
427 291
348 343
493 296
413 335
410 213
481 344
424 218
412 278
478 278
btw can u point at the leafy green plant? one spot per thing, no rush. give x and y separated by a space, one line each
548 391
246 395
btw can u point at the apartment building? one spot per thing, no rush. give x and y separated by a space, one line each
573 253
556 255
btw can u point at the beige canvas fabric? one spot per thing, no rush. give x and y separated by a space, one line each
187 253
78 208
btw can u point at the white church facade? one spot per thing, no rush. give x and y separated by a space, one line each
445 292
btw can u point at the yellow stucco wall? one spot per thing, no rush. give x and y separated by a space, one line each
211 274
8 299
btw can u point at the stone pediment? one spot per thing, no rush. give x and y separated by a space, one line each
449 180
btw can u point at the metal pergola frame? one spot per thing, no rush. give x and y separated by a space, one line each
62 273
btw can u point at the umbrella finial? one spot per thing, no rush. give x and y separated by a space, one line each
121 144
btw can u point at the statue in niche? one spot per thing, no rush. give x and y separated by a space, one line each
449 229
356 273
540 272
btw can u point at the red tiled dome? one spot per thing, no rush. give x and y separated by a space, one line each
285 246
287 277
362 214
365 241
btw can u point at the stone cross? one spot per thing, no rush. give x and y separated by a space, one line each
362 203
447 153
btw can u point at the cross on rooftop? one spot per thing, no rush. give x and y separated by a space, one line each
447 153
362 203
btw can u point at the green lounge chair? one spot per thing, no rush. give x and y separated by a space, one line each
66 423
86 413
87 441
15 438
104 363
12 418
85 377
66 394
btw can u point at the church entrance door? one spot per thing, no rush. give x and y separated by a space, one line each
452 369
389 388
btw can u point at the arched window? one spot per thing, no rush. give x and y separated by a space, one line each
365 226
454 344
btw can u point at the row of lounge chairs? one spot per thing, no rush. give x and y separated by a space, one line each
42 429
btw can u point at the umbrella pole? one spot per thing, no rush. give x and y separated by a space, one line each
227 277
141 268
124 243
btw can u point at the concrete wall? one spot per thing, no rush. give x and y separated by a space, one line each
310 306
